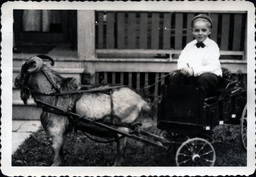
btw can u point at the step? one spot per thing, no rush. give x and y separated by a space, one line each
66 68
64 72
20 111
19 59
16 97
76 76
25 112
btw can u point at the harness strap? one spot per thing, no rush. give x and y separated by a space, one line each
75 121
103 90
50 80
112 106
54 111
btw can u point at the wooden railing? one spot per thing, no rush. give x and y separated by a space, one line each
145 83
166 31
133 48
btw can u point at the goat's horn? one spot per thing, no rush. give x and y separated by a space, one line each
46 57
36 64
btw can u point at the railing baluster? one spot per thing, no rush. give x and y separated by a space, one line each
155 31
122 78
214 32
167 31
143 44
156 86
97 78
130 79
237 32
137 80
105 80
225 32
189 36
110 30
178 30
113 78
131 30
100 30
121 30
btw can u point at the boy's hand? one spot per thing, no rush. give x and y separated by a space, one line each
190 72
187 71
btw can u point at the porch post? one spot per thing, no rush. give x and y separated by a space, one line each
86 43
86 34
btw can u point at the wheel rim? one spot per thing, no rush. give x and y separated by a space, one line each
195 152
244 127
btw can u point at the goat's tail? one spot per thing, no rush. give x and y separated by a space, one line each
146 107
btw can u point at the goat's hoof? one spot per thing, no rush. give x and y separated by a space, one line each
56 164
116 164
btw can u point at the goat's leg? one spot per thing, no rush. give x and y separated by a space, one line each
57 145
121 147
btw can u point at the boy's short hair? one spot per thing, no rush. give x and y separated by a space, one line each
201 17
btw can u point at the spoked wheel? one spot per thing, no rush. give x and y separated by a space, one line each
244 127
195 152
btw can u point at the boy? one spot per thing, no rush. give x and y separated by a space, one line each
200 57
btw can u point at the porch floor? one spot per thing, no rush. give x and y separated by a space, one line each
62 51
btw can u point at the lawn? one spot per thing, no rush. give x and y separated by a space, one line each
81 151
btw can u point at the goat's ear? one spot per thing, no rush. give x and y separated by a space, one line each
46 57
35 64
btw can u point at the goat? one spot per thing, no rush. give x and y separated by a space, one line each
37 80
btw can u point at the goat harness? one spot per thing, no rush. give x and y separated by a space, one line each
76 95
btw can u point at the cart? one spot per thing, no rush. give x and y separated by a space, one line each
185 113
186 117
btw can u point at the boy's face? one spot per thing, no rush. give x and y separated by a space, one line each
201 31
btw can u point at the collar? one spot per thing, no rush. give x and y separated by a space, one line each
206 42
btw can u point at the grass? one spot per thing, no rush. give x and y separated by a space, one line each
80 151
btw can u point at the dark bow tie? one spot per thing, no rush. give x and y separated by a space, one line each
200 44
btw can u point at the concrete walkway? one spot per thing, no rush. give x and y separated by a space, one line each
21 130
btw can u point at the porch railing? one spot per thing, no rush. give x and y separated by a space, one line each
153 41
161 32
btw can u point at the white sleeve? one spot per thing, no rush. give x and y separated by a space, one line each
182 61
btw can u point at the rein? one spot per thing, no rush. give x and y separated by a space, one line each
73 92
101 141
59 93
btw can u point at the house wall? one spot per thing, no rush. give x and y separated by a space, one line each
138 49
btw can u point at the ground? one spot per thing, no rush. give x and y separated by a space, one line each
80 151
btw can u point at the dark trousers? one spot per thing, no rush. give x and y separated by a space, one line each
208 81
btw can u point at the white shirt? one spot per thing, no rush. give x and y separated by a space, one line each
201 59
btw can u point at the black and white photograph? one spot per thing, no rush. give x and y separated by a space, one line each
128 88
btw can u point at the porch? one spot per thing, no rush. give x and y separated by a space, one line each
135 48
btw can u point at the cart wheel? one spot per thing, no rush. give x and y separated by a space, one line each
195 152
244 127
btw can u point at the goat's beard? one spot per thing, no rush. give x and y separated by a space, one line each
24 95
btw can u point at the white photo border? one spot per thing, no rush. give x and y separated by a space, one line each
7 72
